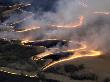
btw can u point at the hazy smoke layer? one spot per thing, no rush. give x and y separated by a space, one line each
68 11
95 30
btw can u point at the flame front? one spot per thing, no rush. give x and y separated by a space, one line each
81 52
40 56
25 41
29 28
71 25
77 53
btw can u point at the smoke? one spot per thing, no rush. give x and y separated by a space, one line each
97 36
66 12
95 28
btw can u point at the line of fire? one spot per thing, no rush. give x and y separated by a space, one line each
44 49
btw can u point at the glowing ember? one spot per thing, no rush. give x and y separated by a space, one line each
25 41
71 25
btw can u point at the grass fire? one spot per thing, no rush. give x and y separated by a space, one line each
65 39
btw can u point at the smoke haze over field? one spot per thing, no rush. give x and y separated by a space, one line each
95 29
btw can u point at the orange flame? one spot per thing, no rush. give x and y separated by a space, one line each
29 28
39 56
78 53
25 41
71 25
